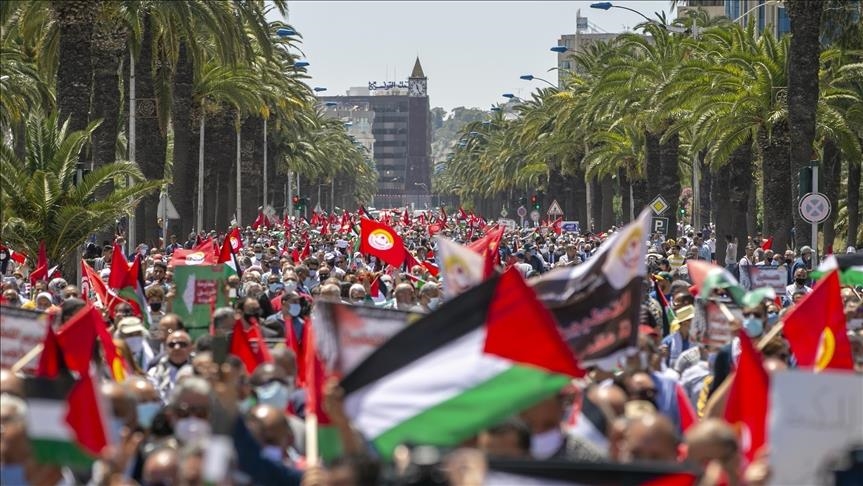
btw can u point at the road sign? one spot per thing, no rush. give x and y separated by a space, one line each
521 211
508 223
554 209
503 213
172 211
814 207
571 227
534 215
659 225
659 206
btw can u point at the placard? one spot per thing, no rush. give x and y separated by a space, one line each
20 331
814 419
710 324
347 334
768 276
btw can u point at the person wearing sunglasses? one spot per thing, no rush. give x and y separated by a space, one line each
178 353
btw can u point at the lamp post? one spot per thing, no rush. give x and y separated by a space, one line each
531 77
608 5
301 64
318 89
765 4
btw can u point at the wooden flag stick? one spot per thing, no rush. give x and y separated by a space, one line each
311 439
27 358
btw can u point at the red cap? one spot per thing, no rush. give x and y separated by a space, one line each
646 330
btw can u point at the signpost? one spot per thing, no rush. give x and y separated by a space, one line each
571 227
659 225
521 212
658 205
814 207
554 209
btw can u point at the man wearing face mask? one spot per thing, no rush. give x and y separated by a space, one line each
155 295
133 331
275 326
404 297
251 309
799 285
311 280
271 385
289 284
754 316
429 298
269 425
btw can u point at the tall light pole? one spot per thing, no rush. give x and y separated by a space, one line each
239 177
265 163
199 223
608 5
531 77
130 234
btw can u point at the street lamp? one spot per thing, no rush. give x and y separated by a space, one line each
318 89
608 5
301 64
510 96
559 50
531 77
330 103
765 4
285 32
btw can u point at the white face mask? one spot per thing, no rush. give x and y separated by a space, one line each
273 393
146 412
273 453
192 429
434 303
136 343
290 286
546 444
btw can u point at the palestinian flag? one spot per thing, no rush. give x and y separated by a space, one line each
132 287
228 256
528 472
706 277
460 369
850 266
66 421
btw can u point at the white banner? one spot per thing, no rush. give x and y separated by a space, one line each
20 331
764 276
815 418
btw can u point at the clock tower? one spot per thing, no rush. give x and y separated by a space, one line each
418 173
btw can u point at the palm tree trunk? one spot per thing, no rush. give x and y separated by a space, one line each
252 156
219 140
705 184
625 197
832 173
596 206
670 180
109 48
606 187
185 167
575 207
853 202
639 195
151 143
75 19
652 167
734 182
778 209
803 65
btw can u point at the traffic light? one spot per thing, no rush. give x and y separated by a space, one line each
534 201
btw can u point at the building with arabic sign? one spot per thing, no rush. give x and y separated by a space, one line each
401 133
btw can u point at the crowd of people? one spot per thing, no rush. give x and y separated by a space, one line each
183 412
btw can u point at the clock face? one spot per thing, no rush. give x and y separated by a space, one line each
417 87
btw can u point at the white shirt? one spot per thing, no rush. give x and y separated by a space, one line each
731 254
745 280
791 289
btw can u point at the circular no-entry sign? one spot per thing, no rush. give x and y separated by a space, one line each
814 207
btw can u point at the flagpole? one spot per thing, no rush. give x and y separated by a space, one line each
311 439
21 363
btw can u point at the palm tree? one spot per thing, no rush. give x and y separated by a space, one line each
803 65
44 200
75 20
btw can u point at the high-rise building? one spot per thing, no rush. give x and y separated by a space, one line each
401 132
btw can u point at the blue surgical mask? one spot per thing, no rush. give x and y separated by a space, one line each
273 393
294 309
772 317
146 412
12 474
275 287
753 326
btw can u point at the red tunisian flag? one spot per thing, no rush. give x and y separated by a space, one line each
749 400
236 239
487 246
381 241
557 226
815 328
41 270
249 346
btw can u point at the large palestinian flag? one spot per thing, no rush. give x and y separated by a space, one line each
460 369
65 420
850 266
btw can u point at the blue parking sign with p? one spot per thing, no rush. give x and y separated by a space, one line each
660 225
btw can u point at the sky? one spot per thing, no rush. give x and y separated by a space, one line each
471 51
